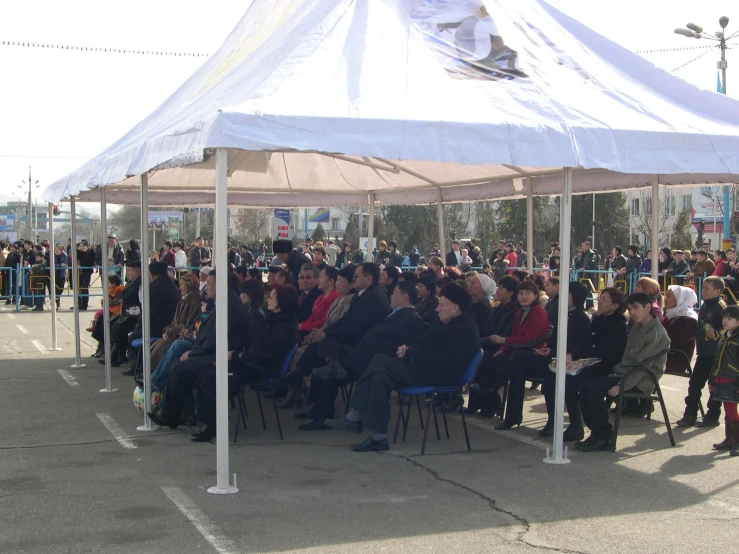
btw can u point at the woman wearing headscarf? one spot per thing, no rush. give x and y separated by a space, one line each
681 322
482 288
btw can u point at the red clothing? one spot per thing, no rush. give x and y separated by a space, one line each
719 271
168 258
512 260
317 318
534 326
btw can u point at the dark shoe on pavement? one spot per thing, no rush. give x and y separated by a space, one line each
706 422
371 445
343 423
156 419
591 439
316 424
598 445
573 433
129 372
206 435
506 425
101 361
687 421
548 430
117 362
307 414
38 309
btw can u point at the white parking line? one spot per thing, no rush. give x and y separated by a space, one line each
222 544
11 316
531 441
22 329
71 381
116 431
39 346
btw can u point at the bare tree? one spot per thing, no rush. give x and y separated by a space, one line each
644 219
254 222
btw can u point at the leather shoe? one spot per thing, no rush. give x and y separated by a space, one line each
371 445
206 436
316 424
707 423
307 414
506 425
573 434
118 362
343 423
129 372
156 419
548 430
686 421
598 445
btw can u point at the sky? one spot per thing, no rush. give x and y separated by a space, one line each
58 108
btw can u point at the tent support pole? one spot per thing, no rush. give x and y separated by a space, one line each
76 287
370 227
145 301
440 219
655 229
221 260
529 224
52 278
106 298
565 216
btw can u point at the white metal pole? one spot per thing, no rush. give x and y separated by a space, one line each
145 321
52 278
76 289
440 219
222 473
197 223
106 299
530 223
655 229
592 239
370 226
558 456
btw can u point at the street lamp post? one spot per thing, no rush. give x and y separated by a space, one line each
696 31
29 209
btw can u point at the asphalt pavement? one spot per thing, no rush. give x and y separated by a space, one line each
76 476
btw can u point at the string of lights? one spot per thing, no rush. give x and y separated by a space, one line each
661 50
103 49
698 57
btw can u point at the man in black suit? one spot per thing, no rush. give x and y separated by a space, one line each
454 255
438 358
402 326
199 256
164 296
368 308
185 371
309 291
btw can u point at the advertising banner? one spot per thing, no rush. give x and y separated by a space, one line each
281 224
164 221
7 222
320 215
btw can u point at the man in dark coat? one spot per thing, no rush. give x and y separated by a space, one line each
199 256
309 291
453 256
293 258
402 326
130 312
439 357
186 371
164 296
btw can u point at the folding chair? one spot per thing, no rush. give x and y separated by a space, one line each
520 348
642 396
467 377
261 386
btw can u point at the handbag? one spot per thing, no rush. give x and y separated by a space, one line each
725 392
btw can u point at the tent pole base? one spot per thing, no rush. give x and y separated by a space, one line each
108 390
222 490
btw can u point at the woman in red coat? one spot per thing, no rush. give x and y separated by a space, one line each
530 323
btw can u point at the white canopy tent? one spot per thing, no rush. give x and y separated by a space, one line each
318 102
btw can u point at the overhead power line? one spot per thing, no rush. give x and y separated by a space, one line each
103 49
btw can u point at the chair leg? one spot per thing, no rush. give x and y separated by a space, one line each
619 406
433 411
407 418
700 407
426 429
420 416
501 411
261 410
397 420
664 414
277 414
443 415
240 414
464 421
348 397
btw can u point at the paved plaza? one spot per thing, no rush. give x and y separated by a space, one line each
76 476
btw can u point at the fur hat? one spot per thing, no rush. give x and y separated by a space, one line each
157 268
456 295
136 264
282 246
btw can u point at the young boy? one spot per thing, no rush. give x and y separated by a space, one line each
646 339
724 379
706 342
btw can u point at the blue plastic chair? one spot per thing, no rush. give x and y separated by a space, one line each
467 377
262 386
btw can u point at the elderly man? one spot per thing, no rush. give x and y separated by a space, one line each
439 357
116 256
678 268
130 312
309 291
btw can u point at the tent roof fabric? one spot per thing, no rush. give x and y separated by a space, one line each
326 101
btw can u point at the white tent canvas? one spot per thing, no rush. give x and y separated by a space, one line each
403 97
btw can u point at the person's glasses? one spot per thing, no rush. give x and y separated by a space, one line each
605 300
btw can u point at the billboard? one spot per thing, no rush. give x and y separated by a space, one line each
7 222
165 221
320 215
281 224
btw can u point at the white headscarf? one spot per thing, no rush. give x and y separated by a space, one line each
487 283
686 299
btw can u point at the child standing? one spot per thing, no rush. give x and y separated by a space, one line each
706 341
724 380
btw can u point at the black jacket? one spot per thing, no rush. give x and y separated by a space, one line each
205 342
552 308
501 322
482 311
365 311
608 336
196 255
588 261
619 262
401 327
130 305
451 259
442 353
395 259
295 261
306 304
711 313
163 299
270 343
116 254
86 260
578 334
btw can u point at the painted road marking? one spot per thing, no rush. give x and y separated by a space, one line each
116 431
22 329
11 316
221 543
71 381
38 345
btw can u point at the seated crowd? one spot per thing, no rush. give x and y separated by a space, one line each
377 328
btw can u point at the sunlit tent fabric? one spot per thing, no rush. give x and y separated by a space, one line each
329 100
